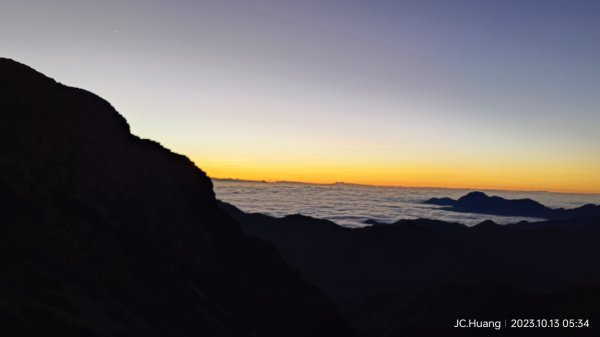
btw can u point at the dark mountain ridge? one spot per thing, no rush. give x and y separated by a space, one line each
479 202
106 234
413 277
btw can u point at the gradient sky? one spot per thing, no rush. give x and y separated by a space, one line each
481 94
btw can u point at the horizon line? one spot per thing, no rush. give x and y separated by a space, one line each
266 181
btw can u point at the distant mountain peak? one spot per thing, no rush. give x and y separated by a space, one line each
479 202
474 194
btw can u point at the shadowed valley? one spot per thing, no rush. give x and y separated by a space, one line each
416 277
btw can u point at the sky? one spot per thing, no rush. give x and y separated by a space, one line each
475 94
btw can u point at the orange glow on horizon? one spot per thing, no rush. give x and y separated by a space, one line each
555 179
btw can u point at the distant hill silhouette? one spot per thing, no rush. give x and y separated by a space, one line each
103 233
479 202
413 277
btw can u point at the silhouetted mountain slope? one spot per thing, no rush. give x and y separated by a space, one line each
376 273
434 312
106 234
479 202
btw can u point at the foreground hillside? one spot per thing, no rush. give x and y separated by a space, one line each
416 277
106 234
